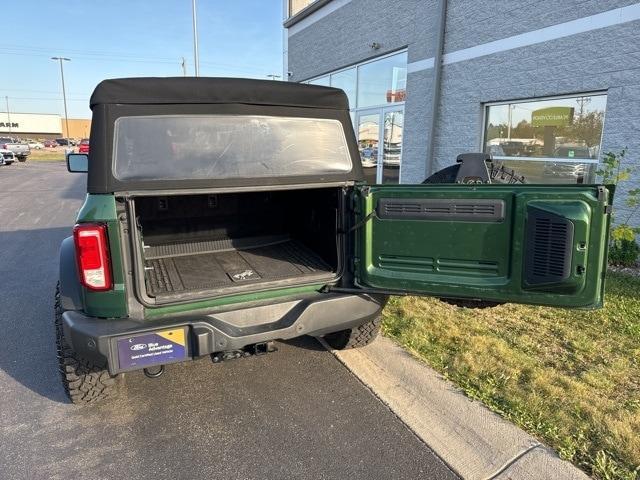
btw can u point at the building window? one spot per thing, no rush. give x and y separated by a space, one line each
324 81
376 90
382 82
296 6
346 80
548 140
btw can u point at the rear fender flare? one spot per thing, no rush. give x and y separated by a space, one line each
70 288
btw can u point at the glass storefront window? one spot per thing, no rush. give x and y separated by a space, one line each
383 81
560 136
368 134
346 80
323 81
376 91
392 148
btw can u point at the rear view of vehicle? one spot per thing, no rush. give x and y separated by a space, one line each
20 150
83 146
214 221
7 157
224 214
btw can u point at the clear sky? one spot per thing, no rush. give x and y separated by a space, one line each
128 38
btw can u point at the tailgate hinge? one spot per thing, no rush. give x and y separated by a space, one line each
603 197
603 193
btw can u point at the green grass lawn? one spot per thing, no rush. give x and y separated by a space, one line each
569 377
45 155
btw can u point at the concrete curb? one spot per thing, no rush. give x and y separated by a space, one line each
475 442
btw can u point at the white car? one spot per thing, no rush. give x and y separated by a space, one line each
7 157
36 145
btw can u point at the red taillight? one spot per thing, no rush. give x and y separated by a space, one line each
92 254
3 146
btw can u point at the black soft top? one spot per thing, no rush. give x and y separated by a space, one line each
202 90
127 97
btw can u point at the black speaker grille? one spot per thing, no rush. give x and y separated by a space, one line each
549 241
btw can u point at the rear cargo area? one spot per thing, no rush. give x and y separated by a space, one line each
199 245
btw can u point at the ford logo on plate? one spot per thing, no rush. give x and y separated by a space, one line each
138 346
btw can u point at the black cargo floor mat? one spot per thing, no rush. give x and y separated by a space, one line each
280 261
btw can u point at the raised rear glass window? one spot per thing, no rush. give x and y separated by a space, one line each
188 147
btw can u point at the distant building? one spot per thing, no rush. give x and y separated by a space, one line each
78 127
30 125
42 126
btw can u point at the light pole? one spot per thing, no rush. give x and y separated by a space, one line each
183 64
196 61
64 95
6 97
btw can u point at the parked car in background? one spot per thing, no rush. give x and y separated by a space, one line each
518 148
34 145
64 142
50 143
83 146
7 157
21 150
495 150
568 172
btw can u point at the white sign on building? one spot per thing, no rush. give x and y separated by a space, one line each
30 123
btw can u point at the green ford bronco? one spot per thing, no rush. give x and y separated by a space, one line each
224 214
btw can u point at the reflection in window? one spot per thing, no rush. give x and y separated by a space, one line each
376 91
383 82
323 81
567 130
346 80
377 83
368 135
552 172
392 149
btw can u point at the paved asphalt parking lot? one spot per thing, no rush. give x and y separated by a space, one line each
297 413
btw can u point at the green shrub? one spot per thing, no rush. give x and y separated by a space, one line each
624 252
623 248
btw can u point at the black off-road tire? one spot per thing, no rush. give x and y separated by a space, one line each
355 337
83 381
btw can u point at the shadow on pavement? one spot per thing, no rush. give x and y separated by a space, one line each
306 343
29 261
77 188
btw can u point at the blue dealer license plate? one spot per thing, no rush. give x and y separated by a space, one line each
155 348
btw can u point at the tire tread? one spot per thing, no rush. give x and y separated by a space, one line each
356 337
84 381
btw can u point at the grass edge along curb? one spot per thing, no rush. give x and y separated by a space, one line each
570 378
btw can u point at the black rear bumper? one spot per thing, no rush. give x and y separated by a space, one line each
95 338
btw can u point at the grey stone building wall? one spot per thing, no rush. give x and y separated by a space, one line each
471 23
606 59
344 37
